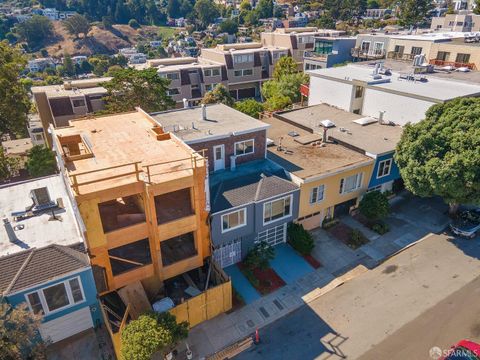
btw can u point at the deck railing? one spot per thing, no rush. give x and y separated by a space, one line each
455 64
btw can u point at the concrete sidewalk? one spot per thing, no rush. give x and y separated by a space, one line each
214 335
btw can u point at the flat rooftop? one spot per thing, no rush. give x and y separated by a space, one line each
221 121
435 88
80 87
17 146
308 161
432 36
40 229
472 77
373 138
123 139
243 50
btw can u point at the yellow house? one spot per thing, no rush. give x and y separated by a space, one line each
331 177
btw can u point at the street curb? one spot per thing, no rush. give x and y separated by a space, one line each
388 257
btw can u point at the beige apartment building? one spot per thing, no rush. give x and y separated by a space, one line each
297 40
456 22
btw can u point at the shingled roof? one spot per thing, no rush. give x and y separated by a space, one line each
36 266
249 189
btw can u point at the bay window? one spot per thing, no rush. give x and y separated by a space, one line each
277 209
351 183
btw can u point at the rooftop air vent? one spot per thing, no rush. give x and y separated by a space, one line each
365 121
293 133
327 123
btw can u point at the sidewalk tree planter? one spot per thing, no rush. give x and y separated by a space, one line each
300 239
259 256
151 333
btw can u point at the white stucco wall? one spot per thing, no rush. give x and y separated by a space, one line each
331 92
399 109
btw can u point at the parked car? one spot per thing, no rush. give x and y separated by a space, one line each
463 350
467 224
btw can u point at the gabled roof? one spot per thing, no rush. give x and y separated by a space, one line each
249 189
36 266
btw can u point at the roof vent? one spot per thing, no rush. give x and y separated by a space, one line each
327 123
365 121
293 133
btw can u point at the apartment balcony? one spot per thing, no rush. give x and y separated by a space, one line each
454 64
312 55
367 55
400 56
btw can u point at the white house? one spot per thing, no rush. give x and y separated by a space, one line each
391 96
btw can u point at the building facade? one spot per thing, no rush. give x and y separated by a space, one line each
327 52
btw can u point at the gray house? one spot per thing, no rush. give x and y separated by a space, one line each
328 51
254 203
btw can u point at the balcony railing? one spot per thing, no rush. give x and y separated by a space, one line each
455 64
315 55
400 56
362 54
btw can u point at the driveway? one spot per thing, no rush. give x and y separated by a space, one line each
241 284
289 265
352 319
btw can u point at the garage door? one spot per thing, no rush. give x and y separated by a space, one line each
68 325
229 254
246 93
274 236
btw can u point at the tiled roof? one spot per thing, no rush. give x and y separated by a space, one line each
36 266
248 189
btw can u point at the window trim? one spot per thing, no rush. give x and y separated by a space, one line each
316 200
283 217
43 300
389 167
244 210
359 182
243 141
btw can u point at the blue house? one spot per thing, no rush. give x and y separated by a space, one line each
252 204
43 262
57 282
328 51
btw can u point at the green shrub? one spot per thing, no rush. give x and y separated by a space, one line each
374 206
133 24
357 239
259 256
300 239
381 228
328 223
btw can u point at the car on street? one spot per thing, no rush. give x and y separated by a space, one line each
467 224
463 350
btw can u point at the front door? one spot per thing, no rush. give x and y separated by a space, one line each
218 157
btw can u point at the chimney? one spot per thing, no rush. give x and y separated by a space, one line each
185 103
325 136
204 112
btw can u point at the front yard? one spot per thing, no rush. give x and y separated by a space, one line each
353 238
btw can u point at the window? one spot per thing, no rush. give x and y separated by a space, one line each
211 72
34 301
358 92
384 168
378 49
416 50
399 49
78 103
233 220
317 194
40 196
305 39
174 91
210 87
463 58
351 183
244 72
173 76
38 137
323 47
277 209
365 46
443 55
56 297
239 59
244 147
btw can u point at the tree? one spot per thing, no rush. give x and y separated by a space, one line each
264 9
250 107
219 94
206 11
68 66
35 31
277 102
285 66
259 256
300 239
326 22
441 154
229 26
173 8
76 25
245 5
476 8
133 24
8 166
374 206
130 88
41 161
151 333
14 100
414 12
19 334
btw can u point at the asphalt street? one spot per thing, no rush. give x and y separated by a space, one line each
423 297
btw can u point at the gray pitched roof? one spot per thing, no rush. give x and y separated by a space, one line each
35 266
249 189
